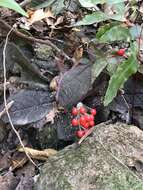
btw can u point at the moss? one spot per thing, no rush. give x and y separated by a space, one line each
91 163
63 183
43 51
119 180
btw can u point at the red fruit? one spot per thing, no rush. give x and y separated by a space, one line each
93 111
87 117
80 133
91 123
82 110
91 117
74 122
82 120
86 125
121 52
74 111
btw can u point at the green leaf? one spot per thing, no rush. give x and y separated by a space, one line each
135 31
58 6
116 33
120 10
123 72
39 4
98 67
113 63
11 4
95 17
103 29
92 3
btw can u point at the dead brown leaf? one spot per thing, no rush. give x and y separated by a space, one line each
18 163
39 154
51 115
78 53
39 15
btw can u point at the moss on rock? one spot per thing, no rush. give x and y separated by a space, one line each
99 163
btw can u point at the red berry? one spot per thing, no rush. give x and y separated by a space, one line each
74 111
86 125
121 52
87 117
91 123
93 111
82 110
82 120
91 117
74 122
80 133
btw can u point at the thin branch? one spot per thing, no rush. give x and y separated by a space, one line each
119 161
5 100
8 107
32 39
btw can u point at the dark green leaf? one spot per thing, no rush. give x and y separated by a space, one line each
11 4
116 33
95 17
38 4
102 30
98 67
92 3
123 72
135 31
113 63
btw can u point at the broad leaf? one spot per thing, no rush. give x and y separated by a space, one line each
113 63
92 3
116 33
55 6
39 4
98 67
95 17
74 85
120 10
29 106
135 31
11 4
123 72
106 27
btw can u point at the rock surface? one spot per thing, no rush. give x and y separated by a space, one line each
99 163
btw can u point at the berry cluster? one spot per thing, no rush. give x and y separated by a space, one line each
83 119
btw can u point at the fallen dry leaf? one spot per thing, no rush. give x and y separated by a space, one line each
38 154
39 15
18 163
78 53
51 115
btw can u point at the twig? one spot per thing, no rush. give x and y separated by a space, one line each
8 107
5 100
86 135
32 39
120 162
91 130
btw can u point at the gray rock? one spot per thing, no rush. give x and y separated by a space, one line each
99 163
51 135
3 131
